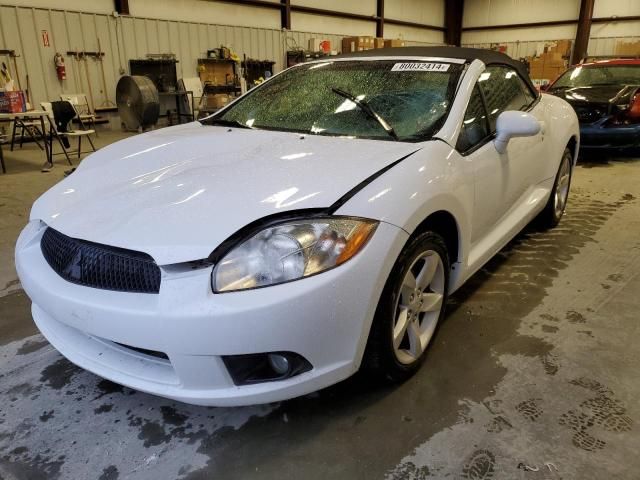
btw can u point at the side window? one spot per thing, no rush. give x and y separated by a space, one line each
474 126
503 90
527 92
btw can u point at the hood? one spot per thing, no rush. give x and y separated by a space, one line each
594 94
599 94
178 192
595 102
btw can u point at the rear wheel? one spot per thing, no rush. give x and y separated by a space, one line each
557 203
412 304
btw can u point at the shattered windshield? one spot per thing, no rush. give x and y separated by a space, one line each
593 76
382 99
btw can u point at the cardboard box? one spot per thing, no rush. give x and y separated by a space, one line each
216 101
378 42
353 44
357 44
12 102
553 72
553 59
563 47
217 73
628 49
394 43
548 66
537 72
536 63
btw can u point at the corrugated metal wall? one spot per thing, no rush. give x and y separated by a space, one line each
603 46
514 49
122 39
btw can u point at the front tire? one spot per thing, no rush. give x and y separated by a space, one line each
410 309
557 203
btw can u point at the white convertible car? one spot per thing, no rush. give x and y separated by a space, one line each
313 227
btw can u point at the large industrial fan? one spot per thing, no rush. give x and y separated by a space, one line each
138 102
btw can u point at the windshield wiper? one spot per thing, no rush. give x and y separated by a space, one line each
368 110
228 123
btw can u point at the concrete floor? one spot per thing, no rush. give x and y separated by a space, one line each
533 375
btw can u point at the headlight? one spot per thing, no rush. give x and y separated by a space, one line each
290 251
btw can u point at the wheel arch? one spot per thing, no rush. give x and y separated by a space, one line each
572 145
445 224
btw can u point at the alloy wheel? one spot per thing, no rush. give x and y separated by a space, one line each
562 186
418 306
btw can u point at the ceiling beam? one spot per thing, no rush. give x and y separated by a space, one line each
285 14
255 3
615 18
332 13
380 19
553 23
583 32
453 21
404 23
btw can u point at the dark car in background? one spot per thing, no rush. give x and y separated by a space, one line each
606 97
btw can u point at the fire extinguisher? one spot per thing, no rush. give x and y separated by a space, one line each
60 68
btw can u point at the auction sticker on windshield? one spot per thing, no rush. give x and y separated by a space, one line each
420 67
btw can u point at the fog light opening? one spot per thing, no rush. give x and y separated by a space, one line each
279 363
265 367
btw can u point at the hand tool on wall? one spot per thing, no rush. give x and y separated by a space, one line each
100 58
77 75
27 92
86 71
5 76
16 71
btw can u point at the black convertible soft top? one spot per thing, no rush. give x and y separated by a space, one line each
488 57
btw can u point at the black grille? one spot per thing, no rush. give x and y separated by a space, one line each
100 266
589 114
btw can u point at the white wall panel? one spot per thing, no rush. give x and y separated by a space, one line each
411 34
615 29
602 46
620 8
362 7
39 78
502 12
306 22
606 46
515 50
430 12
175 10
519 34
93 6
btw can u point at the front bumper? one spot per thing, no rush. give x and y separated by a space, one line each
324 318
613 140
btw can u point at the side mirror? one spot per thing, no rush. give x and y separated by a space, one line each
512 124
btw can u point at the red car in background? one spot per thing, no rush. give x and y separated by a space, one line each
606 97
